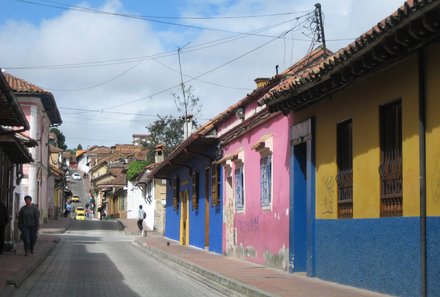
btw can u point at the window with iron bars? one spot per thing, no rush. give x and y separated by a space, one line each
239 190
390 169
344 177
266 180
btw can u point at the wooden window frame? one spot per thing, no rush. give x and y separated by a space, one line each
344 177
176 190
215 185
195 190
391 162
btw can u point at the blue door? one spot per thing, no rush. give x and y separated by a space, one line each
298 226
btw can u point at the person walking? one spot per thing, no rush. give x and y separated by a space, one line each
141 216
29 223
4 219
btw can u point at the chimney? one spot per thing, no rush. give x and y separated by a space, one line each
187 126
158 153
261 81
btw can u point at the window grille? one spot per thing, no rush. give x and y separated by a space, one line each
265 180
176 190
390 169
344 177
239 191
215 185
195 190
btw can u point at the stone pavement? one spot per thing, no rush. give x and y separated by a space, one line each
248 278
15 267
245 277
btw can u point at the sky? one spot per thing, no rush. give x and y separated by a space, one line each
113 65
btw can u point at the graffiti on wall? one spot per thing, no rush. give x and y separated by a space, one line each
248 225
328 184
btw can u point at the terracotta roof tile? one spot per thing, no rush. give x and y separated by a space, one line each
21 86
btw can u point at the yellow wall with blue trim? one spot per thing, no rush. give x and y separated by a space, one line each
433 131
361 102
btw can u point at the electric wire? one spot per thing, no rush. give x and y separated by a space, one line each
85 9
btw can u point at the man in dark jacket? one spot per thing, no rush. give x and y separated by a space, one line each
29 223
4 219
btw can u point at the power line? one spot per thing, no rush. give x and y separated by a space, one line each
66 6
90 10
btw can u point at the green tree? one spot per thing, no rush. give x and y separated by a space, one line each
61 139
188 104
167 131
135 168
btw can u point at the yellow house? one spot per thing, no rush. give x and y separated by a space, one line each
365 158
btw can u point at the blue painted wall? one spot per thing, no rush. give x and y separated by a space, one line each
376 254
172 221
433 255
197 216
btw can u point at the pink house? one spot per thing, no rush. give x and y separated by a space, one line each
41 111
256 175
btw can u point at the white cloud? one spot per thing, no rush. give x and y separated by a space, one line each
75 37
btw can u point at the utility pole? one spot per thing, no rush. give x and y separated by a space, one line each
185 103
320 24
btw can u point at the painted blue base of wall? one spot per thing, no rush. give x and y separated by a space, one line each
381 255
433 255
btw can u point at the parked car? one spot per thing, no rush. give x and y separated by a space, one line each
76 176
75 199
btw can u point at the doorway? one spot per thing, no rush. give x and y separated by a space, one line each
302 200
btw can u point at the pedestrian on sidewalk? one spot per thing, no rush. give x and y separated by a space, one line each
29 223
141 216
4 219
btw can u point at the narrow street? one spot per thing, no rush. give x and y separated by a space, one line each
95 259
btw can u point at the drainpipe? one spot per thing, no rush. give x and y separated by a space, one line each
422 161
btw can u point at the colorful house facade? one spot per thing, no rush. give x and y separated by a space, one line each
193 206
41 111
365 157
256 182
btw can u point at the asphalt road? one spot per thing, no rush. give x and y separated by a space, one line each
95 259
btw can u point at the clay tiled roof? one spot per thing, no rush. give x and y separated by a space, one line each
11 113
390 40
24 88
19 85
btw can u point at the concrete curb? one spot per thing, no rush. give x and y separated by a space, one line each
20 276
229 283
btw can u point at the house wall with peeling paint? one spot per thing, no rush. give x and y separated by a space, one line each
258 233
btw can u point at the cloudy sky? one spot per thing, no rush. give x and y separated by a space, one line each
113 65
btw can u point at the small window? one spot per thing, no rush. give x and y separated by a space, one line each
215 185
390 169
239 188
195 190
344 178
266 180
176 190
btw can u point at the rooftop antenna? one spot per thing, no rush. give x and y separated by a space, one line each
320 27
182 85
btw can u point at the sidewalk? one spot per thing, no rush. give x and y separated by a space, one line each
246 277
16 267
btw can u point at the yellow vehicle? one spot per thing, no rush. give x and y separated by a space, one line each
75 199
80 213
80 217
